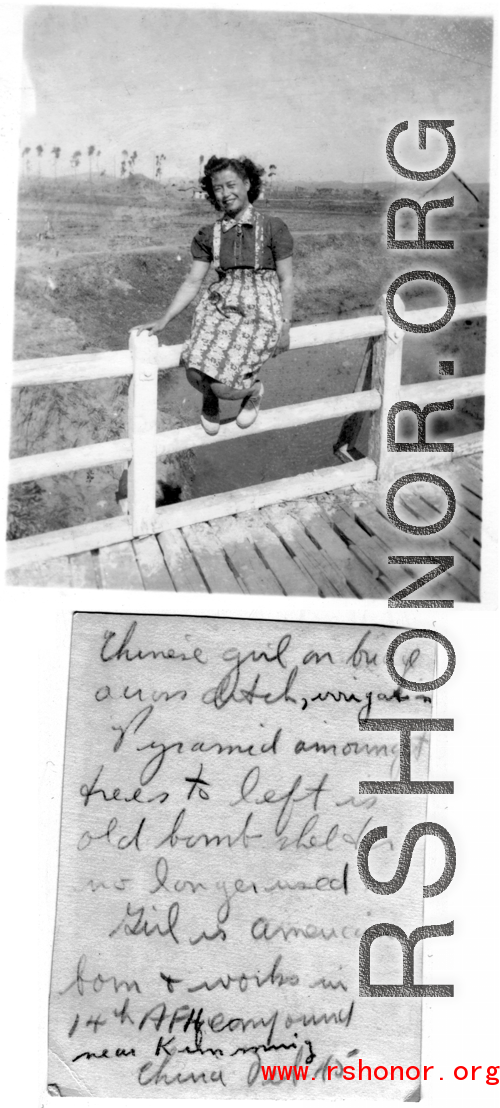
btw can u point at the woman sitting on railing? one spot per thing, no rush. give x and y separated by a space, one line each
244 318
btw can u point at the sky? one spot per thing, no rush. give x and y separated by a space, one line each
315 94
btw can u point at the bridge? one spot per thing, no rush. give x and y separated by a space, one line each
324 533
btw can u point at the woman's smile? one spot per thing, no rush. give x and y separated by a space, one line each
230 191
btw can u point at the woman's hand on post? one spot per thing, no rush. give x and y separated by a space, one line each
154 327
283 342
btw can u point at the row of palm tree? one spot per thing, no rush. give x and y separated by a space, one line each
127 162
56 154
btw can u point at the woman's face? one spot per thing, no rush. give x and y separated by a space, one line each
230 191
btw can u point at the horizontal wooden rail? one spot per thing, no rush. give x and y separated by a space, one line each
117 363
462 311
143 445
32 467
313 334
88 367
106 532
418 461
74 367
447 388
337 330
275 419
252 497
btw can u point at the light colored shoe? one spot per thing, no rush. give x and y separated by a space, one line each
250 407
210 414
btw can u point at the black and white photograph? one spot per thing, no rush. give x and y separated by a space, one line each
212 207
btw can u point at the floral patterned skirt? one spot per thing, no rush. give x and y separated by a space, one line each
236 326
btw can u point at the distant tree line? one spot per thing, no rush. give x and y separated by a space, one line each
127 164
56 152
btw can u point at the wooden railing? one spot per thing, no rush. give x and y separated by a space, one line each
378 388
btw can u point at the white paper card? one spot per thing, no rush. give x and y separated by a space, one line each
209 902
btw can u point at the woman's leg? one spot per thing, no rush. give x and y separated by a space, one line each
210 415
213 391
226 392
197 379
250 397
205 384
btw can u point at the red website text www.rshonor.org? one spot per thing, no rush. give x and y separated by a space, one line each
380 1073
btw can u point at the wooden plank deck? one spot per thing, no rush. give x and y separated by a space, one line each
331 544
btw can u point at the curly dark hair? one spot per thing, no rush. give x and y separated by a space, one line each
244 167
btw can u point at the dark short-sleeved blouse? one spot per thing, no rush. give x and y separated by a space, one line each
238 250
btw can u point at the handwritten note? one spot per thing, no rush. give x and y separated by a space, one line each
209 904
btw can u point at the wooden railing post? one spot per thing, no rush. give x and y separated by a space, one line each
386 378
142 417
